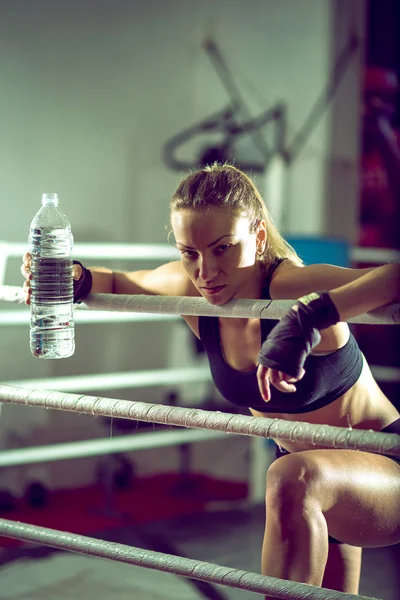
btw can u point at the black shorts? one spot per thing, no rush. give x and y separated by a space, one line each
392 428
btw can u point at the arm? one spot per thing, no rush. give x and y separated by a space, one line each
292 281
167 280
283 354
354 291
378 287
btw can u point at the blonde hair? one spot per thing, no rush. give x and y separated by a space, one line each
225 186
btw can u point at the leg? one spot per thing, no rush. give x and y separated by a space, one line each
296 533
353 495
343 568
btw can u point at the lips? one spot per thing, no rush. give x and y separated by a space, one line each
213 290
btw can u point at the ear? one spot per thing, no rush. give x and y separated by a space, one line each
261 236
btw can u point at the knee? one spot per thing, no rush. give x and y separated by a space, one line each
294 483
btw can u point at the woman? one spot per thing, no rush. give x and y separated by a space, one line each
230 248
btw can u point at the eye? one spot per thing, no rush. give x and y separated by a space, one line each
189 254
222 249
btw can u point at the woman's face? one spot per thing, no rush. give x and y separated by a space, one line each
219 253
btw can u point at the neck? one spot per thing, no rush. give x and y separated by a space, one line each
252 291
255 284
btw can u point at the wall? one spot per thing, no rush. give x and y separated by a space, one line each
91 90
342 159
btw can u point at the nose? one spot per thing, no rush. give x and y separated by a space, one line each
208 268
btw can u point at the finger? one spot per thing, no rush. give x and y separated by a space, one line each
26 262
27 292
27 288
263 383
263 386
26 272
76 272
275 376
277 379
285 387
289 378
301 374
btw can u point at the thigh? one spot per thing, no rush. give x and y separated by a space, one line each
358 492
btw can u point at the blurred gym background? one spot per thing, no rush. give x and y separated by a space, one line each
109 104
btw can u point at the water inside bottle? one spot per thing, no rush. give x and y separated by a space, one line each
52 324
51 280
50 242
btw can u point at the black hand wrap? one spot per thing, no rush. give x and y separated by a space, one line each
297 333
83 285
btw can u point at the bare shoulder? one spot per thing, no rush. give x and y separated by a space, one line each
169 279
291 280
173 280
279 286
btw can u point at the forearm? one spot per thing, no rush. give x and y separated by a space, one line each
376 288
105 281
102 280
291 341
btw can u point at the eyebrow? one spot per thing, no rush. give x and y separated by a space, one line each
209 245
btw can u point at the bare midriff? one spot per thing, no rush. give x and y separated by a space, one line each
363 406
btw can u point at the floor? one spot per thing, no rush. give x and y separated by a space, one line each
229 537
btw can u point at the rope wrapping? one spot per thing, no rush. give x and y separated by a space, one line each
185 305
149 559
294 431
243 308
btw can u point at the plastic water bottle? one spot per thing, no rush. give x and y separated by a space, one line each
52 332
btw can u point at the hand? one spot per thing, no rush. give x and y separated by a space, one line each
284 352
26 272
280 380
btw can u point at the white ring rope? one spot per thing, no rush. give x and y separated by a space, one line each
185 567
321 435
22 316
118 380
103 446
260 309
184 305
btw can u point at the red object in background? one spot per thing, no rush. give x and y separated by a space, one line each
380 162
150 498
379 210
379 213
378 79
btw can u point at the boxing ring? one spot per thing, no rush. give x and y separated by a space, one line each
322 435
201 571
196 424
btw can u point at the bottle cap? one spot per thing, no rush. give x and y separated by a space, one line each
50 199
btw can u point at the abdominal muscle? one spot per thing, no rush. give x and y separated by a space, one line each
363 406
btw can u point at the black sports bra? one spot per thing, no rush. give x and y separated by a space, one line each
326 377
